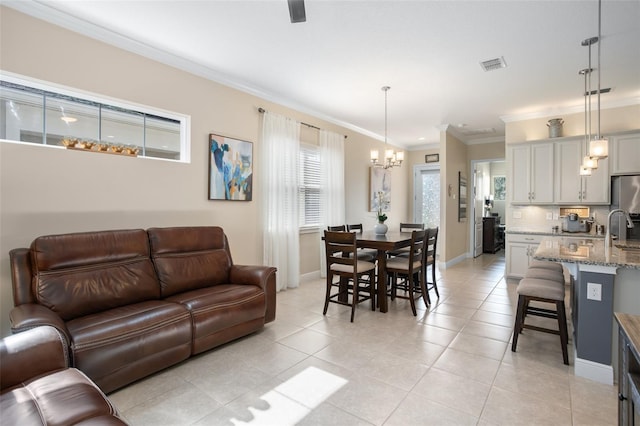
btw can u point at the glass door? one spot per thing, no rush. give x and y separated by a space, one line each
427 195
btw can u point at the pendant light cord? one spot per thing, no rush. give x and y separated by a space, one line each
599 69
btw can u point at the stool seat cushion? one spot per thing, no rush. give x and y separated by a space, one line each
543 289
545 274
402 263
546 264
361 265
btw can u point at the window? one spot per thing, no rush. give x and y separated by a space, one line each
39 113
309 189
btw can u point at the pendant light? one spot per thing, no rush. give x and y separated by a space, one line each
391 158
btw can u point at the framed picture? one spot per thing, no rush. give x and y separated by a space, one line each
462 198
499 187
230 169
379 181
432 158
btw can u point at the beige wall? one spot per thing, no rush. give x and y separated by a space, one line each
487 151
53 190
611 120
455 240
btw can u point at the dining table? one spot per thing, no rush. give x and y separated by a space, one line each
392 240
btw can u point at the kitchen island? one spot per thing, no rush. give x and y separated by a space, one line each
605 280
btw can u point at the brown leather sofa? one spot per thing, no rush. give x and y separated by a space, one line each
38 388
132 302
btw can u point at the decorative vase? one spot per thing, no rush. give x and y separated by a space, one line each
380 228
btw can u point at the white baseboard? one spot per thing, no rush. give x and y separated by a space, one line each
453 261
594 371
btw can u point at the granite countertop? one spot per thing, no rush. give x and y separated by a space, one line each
534 231
589 251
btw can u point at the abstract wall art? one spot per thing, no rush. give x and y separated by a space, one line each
230 169
379 181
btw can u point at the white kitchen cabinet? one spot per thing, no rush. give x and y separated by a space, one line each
570 187
531 173
519 251
624 151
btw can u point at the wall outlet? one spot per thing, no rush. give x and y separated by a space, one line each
556 216
594 291
517 214
549 216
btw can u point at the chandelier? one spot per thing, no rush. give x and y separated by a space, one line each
598 146
391 158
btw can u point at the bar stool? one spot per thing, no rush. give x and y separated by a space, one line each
545 264
546 274
546 291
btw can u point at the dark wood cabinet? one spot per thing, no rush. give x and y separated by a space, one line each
492 234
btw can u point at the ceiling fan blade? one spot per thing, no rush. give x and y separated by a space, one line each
296 11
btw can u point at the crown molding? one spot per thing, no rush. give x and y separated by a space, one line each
434 145
575 109
481 141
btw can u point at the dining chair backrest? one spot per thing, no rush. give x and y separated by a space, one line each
417 248
408 227
355 228
340 247
430 247
337 228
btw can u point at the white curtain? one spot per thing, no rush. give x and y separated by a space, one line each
332 207
280 174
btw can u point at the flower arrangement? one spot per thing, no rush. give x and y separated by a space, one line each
381 204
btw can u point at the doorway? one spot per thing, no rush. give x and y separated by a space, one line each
426 197
489 190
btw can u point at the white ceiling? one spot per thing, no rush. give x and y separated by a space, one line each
334 65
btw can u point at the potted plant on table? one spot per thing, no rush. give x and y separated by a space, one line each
381 228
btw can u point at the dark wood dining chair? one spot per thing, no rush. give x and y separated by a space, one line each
363 253
352 288
406 227
409 227
337 228
407 272
430 261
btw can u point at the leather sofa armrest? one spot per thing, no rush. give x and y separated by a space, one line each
262 276
30 354
30 315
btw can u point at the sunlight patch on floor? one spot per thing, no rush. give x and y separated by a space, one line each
292 400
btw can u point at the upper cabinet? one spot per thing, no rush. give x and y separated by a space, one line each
531 173
570 187
624 151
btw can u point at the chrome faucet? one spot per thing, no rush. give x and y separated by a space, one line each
607 237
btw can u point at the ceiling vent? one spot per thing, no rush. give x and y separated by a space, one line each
493 64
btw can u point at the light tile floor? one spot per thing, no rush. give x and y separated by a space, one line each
450 365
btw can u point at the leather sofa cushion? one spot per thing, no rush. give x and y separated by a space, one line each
124 344
64 397
88 248
186 239
219 309
189 258
93 272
